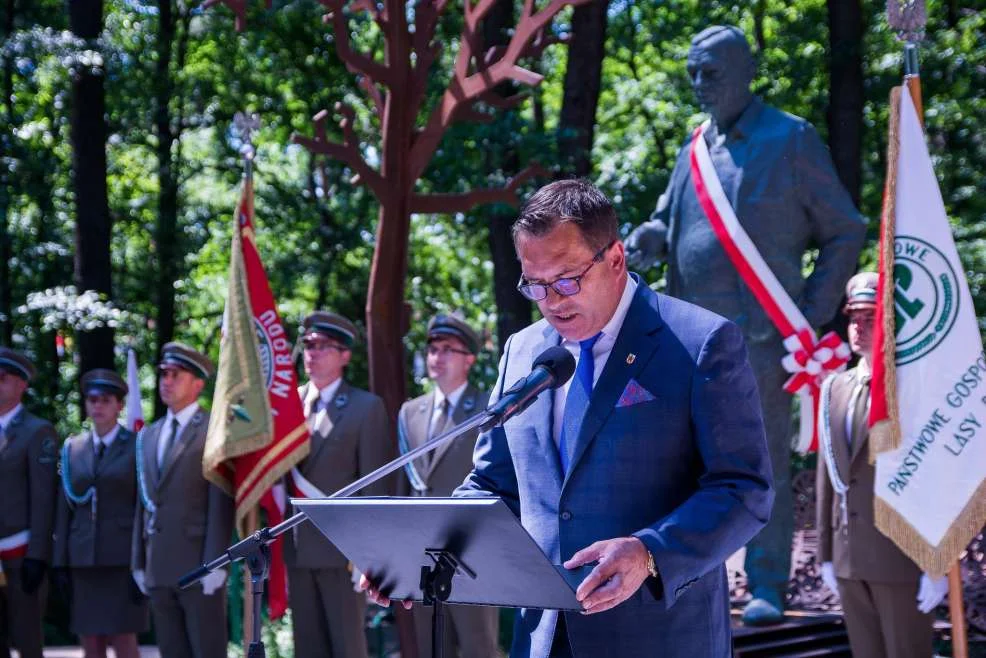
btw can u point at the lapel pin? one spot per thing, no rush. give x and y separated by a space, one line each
468 404
631 357
342 400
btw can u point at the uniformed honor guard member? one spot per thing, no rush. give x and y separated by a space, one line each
350 437
28 487
94 525
182 520
886 600
451 352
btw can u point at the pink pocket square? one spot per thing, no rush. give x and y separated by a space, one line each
633 394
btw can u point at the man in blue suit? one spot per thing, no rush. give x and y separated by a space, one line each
651 463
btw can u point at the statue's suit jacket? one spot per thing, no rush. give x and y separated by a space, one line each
684 468
359 442
194 518
29 484
443 469
82 540
860 551
779 178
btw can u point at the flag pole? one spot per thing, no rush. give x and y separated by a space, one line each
244 125
909 18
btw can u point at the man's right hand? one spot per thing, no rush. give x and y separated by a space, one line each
647 245
374 596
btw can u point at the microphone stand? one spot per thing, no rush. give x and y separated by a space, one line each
255 549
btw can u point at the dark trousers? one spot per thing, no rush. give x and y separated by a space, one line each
560 646
189 624
24 612
328 617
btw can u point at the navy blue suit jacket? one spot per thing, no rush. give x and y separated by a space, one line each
687 472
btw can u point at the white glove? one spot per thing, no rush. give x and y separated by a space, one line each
828 577
355 575
138 576
931 592
213 581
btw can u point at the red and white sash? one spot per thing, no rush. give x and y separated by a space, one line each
13 547
809 360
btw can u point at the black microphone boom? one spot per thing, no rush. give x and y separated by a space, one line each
551 369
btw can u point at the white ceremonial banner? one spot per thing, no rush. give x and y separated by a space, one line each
930 491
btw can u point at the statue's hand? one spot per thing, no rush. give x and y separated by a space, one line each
647 245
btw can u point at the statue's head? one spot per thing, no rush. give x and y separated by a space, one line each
721 68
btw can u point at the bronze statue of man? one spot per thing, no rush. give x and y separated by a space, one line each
777 176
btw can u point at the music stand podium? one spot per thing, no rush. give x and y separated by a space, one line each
444 550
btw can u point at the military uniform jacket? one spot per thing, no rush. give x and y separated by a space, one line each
96 534
192 520
359 442
29 482
857 550
445 468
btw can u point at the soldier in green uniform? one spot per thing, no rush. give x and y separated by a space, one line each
94 524
452 349
350 437
28 487
182 519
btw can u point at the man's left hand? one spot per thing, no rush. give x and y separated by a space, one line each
621 570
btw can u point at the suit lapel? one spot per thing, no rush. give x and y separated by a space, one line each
417 421
86 458
465 407
541 412
185 436
116 450
150 442
840 443
638 336
860 420
336 410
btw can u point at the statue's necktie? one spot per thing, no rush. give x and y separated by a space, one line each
577 401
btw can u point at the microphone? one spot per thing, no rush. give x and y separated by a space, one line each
552 368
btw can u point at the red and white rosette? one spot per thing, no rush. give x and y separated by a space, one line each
809 360
12 547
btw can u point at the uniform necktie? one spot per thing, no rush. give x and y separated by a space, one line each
319 422
577 400
171 442
3 437
442 420
100 449
860 402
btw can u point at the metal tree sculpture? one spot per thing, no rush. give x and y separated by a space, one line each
396 88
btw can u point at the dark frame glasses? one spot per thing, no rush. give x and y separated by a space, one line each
565 286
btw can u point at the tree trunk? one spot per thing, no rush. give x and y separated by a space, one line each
583 79
387 314
845 112
513 311
6 284
92 223
166 233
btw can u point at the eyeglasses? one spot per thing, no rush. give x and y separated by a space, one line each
565 286
319 346
444 350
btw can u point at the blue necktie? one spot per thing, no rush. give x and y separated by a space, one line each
577 400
